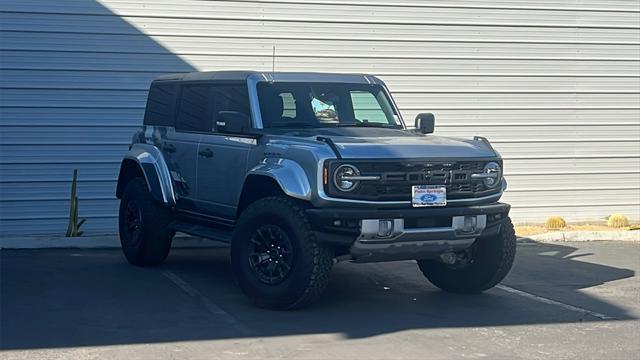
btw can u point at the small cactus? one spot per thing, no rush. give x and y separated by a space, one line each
555 223
617 221
73 229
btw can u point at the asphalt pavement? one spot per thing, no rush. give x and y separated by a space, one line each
562 300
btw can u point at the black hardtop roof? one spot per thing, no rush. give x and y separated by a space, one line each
242 75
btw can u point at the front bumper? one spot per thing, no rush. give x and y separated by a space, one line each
416 233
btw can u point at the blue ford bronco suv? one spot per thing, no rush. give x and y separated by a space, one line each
297 171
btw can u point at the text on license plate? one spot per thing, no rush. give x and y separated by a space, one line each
428 195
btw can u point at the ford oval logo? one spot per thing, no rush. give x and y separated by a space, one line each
428 198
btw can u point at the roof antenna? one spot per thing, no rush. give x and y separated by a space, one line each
273 63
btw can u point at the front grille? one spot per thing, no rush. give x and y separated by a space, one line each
396 179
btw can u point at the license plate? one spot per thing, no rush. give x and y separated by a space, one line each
428 195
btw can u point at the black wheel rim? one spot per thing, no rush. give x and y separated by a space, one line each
133 222
270 254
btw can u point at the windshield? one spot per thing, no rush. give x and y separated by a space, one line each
302 105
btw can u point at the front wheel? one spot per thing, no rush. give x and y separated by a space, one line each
490 261
275 257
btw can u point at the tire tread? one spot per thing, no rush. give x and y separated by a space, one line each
321 257
156 238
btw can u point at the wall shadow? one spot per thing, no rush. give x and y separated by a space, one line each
73 83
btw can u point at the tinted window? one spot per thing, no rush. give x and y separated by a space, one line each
193 108
160 105
229 98
199 105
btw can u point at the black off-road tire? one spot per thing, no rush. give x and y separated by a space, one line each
311 263
152 243
492 259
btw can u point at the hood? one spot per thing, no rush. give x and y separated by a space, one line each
355 143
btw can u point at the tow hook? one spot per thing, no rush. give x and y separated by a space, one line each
342 258
449 258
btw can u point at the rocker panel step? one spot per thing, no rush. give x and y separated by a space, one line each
206 232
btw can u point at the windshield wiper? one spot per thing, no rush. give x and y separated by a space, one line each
298 124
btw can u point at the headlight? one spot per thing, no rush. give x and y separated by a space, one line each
492 174
344 177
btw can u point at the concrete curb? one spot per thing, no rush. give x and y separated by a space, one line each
578 236
92 242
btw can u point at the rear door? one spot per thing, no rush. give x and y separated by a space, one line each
178 147
180 144
222 158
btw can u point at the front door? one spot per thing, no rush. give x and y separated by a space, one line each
222 165
222 158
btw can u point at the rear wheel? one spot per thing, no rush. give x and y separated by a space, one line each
490 260
143 224
275 257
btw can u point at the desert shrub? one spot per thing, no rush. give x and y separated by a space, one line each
617 221
555 223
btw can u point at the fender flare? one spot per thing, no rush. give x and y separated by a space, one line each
155 170
288 174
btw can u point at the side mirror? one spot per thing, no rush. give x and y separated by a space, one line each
233 122
425 123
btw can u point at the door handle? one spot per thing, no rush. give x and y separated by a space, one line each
170 148
206 153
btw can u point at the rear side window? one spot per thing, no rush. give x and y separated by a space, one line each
193 109
288 105
160 105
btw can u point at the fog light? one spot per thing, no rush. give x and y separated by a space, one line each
385 228
470 223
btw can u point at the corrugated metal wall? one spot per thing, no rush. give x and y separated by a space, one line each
554 85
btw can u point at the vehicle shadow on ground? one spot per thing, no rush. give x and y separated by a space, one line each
70 298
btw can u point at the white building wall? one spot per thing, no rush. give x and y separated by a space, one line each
554 85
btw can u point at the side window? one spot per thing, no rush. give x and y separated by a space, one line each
160 105
288 105
367 108
324 107
193 108
229 98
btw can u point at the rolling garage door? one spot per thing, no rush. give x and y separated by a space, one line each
554 85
